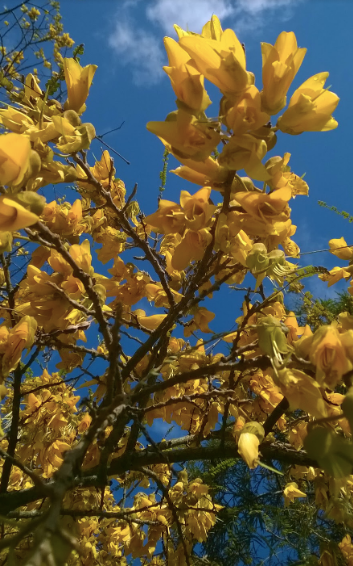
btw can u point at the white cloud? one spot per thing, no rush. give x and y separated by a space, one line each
143 50
188 14
140 50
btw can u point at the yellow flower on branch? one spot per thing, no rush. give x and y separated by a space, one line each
186 80
339 248
280 64
14 216
245 152
328 351
186 135
291 492
302 392
247 114
248 443
15 151
310 108
78 81
221 61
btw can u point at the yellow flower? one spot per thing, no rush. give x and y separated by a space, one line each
282 176
265 213
187 136
20 336
245 152
339 248
327 350
251 434
246 115
15 150
280 64
291 491
191 248
302 392
14 216
204 173
169 218
336 274
187 82
14 120
221 61
196 208
310 108
78 81
150 322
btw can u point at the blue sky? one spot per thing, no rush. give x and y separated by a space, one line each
125 39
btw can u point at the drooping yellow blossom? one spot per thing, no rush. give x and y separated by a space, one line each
265 213
78 81
248 443
186 135
282 176
14 158
346 547
191 248
245 152
280 64
221 61
202 317
291 492
336 274
310 108
21 336
14 216
205 173
339 248
151 322
327 350
196 208
246 115
302 392
168 219
186 80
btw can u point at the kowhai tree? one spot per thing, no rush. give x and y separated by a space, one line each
86 374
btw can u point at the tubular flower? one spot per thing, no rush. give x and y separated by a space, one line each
15 151
222 61
248 444
339 248
169 218
265 213
336 274
186 80
187 136
310 108
328 351
245 152
20 337
282 176
197 209
78 81
302 392
280 64
291 491
191 248
247 114
205 173
14 216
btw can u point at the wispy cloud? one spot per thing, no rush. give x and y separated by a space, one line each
137 48
141 48
192 14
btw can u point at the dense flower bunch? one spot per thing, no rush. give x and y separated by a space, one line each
238 388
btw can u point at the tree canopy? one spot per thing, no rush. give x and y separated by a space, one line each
106 320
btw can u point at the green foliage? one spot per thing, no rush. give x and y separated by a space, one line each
322 311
